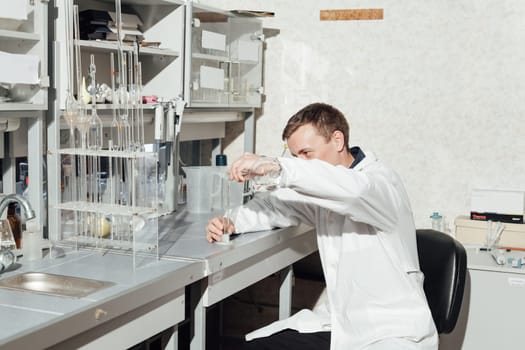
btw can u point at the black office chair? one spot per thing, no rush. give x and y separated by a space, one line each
443 260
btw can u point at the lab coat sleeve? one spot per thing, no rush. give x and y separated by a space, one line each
370 196
279 208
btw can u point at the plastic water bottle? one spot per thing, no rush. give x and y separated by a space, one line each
437 221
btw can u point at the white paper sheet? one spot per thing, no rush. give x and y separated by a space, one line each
13 9
19 69
214 41
212 78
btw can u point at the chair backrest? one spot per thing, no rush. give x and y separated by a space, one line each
443 261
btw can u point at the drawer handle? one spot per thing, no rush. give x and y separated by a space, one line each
99 314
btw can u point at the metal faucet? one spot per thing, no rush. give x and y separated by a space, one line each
24 203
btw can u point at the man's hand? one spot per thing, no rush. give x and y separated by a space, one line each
250 165
217 226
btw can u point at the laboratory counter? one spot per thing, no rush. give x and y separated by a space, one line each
146 300
492 310
155 291
229 268
184 236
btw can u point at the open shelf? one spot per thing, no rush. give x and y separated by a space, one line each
102 208
106 153
204 56
16 35
108 46
18 106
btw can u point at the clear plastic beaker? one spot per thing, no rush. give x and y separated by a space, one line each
203 185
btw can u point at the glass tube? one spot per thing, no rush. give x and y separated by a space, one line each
71 105
95 123
82 123
114 141
131 101
141 107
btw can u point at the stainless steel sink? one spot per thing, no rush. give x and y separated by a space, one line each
51 284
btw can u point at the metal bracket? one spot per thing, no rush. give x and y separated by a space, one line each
179 110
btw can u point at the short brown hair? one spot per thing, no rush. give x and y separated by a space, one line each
324 117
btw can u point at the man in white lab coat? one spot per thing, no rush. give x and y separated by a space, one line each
374 296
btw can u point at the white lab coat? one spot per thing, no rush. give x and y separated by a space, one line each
367 244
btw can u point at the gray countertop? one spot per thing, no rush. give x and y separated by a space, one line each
185 237
24 313
185 257
482 260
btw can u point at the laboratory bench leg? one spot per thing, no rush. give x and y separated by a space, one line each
198 321
285 292
199 309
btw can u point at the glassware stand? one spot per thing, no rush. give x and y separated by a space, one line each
113 211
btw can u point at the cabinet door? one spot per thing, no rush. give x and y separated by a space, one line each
245 43
209 58
23 55
225 59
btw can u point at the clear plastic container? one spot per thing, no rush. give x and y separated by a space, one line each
203 183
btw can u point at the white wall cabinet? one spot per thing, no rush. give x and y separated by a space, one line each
209 58
24 85
27 38
162 24
161 58
223 59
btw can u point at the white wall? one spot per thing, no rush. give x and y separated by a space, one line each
436 89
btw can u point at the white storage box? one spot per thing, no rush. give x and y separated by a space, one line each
475 232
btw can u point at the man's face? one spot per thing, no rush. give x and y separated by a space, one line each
306 143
